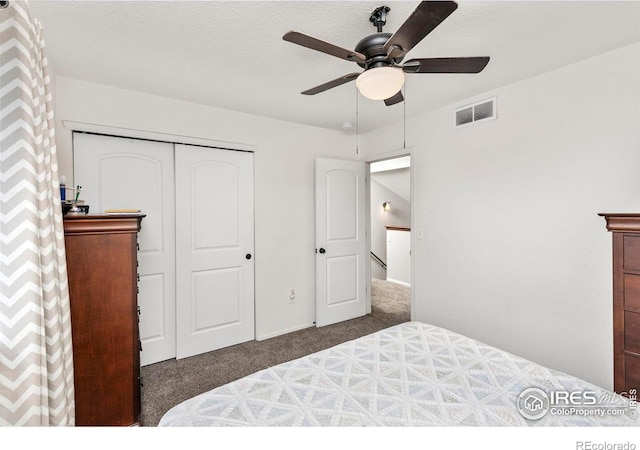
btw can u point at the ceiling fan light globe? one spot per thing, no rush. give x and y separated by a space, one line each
380 83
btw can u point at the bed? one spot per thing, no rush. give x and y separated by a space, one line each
412 374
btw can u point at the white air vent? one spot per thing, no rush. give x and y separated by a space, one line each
476 112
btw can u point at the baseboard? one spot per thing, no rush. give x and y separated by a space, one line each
287 331
403 283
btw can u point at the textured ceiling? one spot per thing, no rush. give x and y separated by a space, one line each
230 54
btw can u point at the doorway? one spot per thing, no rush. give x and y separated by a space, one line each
390 232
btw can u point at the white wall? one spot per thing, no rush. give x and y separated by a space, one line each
396 180
284 181
514 253
399 257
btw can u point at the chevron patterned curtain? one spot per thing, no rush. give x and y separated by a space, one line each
36 366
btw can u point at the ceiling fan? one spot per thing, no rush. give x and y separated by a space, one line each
380 54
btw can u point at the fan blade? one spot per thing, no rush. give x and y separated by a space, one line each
421 22
446 65
398 98
331 84
325 47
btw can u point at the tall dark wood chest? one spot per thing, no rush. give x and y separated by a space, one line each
102 270
626 300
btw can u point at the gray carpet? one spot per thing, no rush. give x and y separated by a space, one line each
168 383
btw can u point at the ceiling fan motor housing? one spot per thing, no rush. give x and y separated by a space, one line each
372 47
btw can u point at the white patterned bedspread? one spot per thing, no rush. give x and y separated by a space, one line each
412 374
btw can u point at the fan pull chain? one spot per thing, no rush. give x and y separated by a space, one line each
357 122
404 118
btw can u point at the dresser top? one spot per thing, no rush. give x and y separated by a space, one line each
617 222
102 223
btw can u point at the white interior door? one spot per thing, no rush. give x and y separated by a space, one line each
214 249
123 173
341 247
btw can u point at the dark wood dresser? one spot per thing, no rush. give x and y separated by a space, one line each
102 271
626 300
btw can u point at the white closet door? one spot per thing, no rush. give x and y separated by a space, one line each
119 173
341 247
214 249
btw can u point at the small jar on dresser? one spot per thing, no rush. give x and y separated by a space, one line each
625 228
102 271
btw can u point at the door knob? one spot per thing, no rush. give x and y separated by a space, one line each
322 250
248 256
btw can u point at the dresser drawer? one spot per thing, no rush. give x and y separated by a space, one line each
632 292
632 373
631 258
632 332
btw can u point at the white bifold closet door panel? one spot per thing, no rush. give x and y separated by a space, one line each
122 173
214 249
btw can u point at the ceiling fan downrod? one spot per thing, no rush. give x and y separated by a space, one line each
379 17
